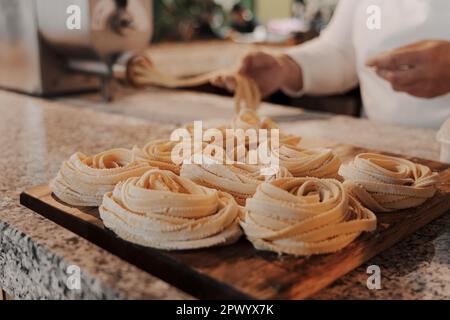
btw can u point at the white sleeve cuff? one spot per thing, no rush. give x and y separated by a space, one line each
302 57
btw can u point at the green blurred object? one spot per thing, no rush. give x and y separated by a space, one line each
184 20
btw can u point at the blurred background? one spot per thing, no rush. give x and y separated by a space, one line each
210 34
266 20
40 56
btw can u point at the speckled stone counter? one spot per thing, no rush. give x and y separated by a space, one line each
36 135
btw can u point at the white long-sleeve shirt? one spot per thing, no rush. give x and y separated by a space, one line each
336 61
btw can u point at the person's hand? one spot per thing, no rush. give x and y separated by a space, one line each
421 69
271 73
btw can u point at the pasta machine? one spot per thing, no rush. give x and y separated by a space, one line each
54 47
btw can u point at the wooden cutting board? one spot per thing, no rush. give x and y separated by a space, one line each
239 271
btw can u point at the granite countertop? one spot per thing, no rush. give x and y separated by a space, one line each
37 135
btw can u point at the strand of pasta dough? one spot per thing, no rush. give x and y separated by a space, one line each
304 216
384 184
165 211
142 72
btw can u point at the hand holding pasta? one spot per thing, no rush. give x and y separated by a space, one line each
143 72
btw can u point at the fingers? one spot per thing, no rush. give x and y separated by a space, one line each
402 77
425 90
396 60
258 66
246 64
415 82
401 81
419 90
410 83
416 69
249 64
225 81
217 82
254 61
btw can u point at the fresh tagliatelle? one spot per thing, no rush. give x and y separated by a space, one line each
158 153
304 216
83 180
143 72
162 210
318 163
384 184
247 133
239 180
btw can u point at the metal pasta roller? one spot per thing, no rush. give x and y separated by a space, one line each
53 47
